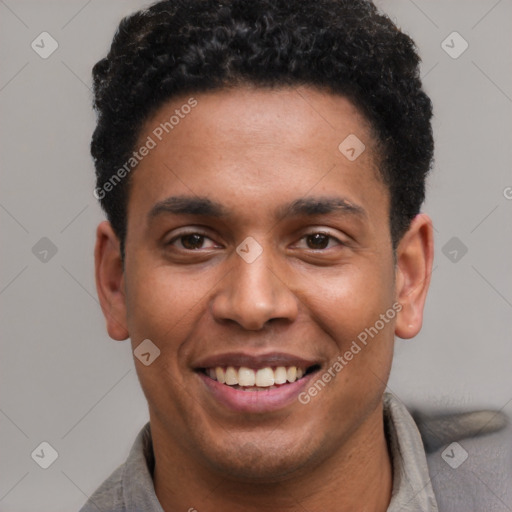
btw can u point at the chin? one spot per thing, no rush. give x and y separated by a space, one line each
259 461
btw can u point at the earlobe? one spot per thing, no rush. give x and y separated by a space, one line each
415 254
110 281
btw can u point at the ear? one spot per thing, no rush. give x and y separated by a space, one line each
415 255
110 281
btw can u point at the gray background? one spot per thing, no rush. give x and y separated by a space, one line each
65 382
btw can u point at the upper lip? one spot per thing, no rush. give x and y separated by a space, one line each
237 359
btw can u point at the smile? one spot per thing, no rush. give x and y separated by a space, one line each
244 383
248 379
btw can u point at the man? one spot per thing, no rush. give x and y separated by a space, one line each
262 167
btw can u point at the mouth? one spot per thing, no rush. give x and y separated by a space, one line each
258 379
255 384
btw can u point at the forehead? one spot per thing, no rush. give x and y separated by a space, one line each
254 148
254 115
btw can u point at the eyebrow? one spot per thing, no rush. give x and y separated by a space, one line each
311 206
188 205
308 206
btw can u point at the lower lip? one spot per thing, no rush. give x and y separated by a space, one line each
256 401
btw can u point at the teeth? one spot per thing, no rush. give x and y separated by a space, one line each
251 380
254 388
246 376
291 374
265 377
219 373
231 376
280 375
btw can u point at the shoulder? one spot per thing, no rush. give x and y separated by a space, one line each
130 487
109 495
469 456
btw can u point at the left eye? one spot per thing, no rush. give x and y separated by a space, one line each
192 241
319 241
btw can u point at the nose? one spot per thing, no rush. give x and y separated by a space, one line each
252 294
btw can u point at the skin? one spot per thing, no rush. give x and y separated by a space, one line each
255 150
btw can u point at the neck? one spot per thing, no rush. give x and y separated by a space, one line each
358 477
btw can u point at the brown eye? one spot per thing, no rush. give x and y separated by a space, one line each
192 241
317 241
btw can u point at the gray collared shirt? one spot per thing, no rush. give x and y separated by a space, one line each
130 487
412 488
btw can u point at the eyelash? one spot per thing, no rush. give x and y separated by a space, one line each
182 235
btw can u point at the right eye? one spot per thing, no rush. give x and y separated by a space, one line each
192 241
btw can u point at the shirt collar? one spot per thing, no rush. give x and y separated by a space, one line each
138 489
412 488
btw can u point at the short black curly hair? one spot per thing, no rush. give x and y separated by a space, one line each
177 47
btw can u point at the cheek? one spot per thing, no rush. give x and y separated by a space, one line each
350 309
163 303
355 309
348 301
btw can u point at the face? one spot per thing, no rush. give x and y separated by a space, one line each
258 252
